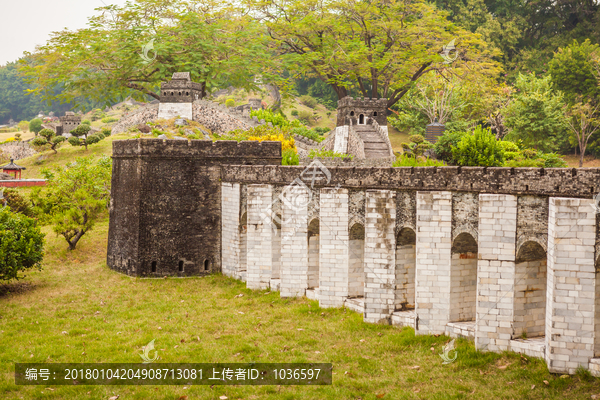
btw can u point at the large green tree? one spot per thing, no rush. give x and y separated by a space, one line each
574 71
75 197
129 50
536 114
527 32
15 102
379 48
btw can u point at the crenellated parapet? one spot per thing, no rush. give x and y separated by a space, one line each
567 182
222 152
350 109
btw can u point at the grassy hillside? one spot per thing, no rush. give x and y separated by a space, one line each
66 154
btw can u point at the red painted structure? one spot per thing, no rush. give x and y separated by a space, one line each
13 168
23 183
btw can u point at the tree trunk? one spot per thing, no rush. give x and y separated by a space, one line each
75 239
274 91
581 153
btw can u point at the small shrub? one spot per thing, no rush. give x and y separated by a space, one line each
48 137
106 132
328 154
443 147
408 161
416 139
294 112
21 244
530 153
108 120
35 125
23 126
17 202
479 149
305 116
524 163
507 145
18 137
553 160
230 103
421 147
511 155
312 134
277 118
97 114
289 157
86 122
309 101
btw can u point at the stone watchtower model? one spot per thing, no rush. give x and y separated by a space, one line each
165 209
362 128
68 122
177 96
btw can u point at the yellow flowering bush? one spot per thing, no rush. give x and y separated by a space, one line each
286 143
264 133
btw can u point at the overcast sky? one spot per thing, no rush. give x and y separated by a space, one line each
27 23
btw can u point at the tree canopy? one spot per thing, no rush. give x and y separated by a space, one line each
129 50
378 47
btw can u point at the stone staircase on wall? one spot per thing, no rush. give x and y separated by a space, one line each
375 145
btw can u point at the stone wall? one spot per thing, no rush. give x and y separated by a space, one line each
444 250
165 214
563 182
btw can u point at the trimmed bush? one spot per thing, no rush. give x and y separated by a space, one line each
17 202
305 116
408 161
289 157
35 125
480 149
295 113
309 101
108 120
230 103
443 147
21 244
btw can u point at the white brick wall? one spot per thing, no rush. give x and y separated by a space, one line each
356 268
433 257
463 287
570 305
276 249
530 298
380 255
405 277
259 238
230 221
333 247
496 271
294 243
313 261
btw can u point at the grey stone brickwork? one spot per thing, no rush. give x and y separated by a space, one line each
165 210
349 110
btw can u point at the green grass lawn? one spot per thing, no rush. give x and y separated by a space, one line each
77 310
66 154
